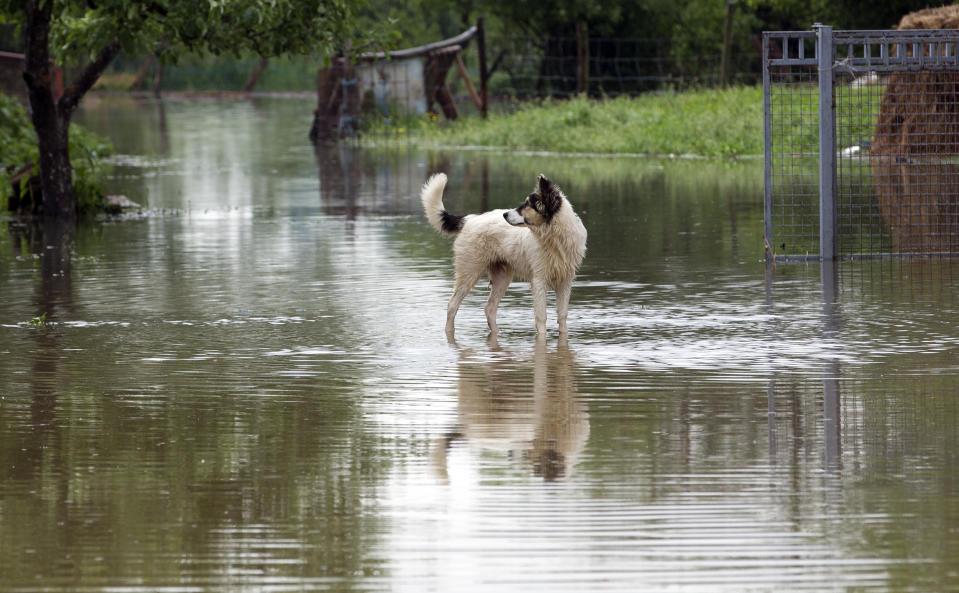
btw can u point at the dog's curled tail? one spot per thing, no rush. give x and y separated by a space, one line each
432 198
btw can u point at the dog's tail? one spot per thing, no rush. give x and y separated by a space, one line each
432 198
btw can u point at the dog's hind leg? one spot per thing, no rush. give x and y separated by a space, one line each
539 305
499 278
464 284
562 305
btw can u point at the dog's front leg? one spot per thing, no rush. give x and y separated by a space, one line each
562 305
539 305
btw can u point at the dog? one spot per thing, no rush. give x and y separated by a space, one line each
542 241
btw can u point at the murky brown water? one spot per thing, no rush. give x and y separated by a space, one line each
249 388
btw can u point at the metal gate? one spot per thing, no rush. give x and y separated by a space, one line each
861 133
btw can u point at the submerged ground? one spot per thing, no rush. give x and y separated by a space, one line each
249 388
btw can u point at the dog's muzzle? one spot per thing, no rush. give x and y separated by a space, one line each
514 218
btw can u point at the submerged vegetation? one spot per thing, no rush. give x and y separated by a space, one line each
18 158
709 122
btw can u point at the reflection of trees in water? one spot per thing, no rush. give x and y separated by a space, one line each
356 182
36 454
99 447
539 419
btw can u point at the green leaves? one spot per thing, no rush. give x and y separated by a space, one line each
172 27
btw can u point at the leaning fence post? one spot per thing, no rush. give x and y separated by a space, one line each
828 211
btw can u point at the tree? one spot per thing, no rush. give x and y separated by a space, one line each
99 30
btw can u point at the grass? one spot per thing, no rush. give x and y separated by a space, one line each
703 122
712 123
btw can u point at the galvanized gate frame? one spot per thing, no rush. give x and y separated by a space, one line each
854 53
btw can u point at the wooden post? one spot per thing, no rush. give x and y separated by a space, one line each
582 57
727 44
438 63
484 75
469 83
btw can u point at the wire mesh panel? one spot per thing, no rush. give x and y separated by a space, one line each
902 191
791 106
895 128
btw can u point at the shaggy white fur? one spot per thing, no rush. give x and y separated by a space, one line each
542 241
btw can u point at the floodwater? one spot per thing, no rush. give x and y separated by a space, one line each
248 388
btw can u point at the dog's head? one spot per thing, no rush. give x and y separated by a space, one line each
539 207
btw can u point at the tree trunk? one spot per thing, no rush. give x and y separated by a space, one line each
56 175
255 74
140 82
51 118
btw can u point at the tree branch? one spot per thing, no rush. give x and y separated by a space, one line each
87 78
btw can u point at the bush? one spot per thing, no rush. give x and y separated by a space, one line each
18 149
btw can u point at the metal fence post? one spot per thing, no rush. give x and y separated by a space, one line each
767 155
828 211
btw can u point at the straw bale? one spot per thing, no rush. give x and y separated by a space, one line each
918 115
919 112
941 17
919 204
916 179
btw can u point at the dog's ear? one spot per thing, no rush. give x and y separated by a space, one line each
544 185
550 195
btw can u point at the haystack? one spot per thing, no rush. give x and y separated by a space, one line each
919 113
919 204
917 136
942 17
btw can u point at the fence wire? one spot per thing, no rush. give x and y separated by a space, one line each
527 68
792 144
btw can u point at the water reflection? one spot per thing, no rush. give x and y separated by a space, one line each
353 182
54 241
832 425
539 420
832 350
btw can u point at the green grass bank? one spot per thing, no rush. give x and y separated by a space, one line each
709 123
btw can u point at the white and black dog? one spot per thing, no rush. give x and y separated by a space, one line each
543 241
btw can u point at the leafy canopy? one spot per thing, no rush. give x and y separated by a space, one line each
170 28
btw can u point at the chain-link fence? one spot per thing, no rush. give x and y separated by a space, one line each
524 67
862 143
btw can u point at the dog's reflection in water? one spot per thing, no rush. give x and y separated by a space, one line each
528 409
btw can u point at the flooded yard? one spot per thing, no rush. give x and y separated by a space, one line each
248 387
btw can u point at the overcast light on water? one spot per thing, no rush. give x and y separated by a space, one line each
248 388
